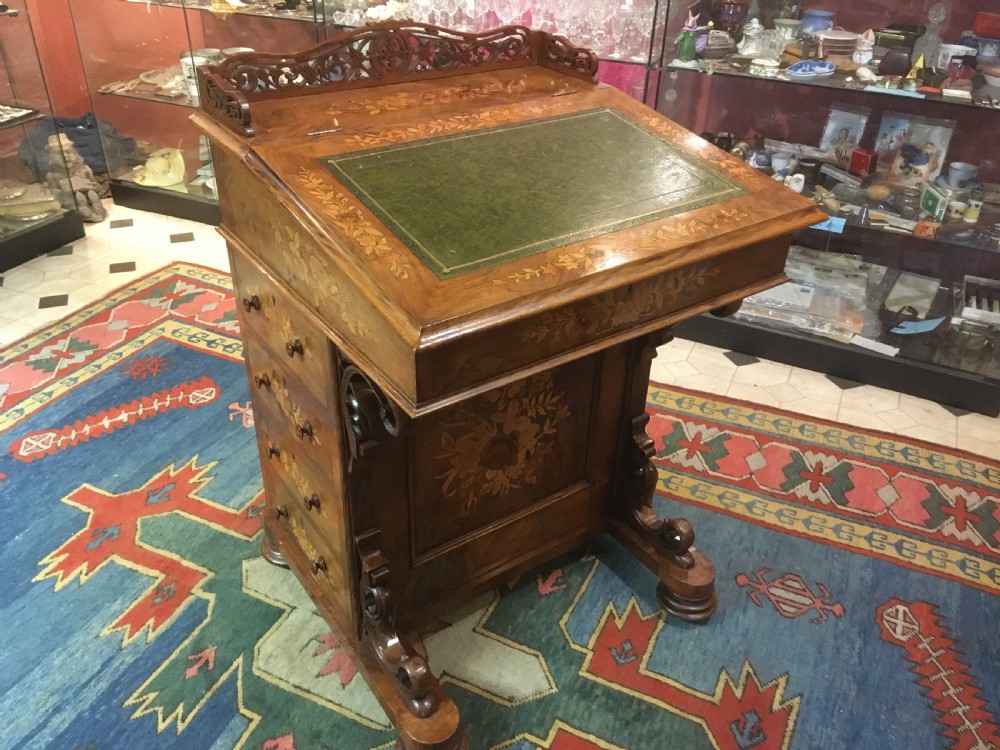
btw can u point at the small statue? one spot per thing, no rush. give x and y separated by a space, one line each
72 181
692 40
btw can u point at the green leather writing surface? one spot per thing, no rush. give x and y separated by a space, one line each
462 202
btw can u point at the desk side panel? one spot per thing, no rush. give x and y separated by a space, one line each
259 219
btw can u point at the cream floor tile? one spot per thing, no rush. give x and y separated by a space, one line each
861 418
897 419
929 434
712 361
978 427
927 413
869 398
13 331
674 351
92 250
681 370
811 408
985 448
763 373
757 394
16 305
814 385
704 383
783 392
20 278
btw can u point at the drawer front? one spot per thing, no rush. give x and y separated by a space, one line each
314 426
300 500
268 316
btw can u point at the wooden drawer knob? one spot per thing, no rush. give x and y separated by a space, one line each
317 565
251 303
294 347
274 451
262 381
312 502
305 430
281 512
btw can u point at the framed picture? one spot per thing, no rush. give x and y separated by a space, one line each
893 132
921 156
844 128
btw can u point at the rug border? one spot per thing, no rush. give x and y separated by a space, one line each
925 444
38 332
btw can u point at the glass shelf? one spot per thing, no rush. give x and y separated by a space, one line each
982 93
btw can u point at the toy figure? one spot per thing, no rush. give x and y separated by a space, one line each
692 39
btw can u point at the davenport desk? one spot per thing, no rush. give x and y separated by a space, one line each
456 254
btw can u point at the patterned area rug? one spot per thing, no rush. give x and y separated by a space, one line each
858 576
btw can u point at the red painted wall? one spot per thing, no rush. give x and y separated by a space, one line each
59 56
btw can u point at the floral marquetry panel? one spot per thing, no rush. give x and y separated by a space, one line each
497 454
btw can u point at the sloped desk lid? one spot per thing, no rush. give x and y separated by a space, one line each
478 199
454 233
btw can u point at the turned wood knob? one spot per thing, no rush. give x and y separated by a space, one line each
317 565
312 502
262 381
293 348
251 303
305 430
274 451
281 512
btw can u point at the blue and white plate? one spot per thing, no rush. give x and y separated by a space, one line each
810 70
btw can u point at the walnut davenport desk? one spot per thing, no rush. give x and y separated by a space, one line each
455 255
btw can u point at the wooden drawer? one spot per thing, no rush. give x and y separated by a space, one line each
314 426
269 317
315 519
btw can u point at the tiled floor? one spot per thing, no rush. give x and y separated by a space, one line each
132 243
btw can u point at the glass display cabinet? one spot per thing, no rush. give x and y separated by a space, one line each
37 205
886 114
627 35
138 58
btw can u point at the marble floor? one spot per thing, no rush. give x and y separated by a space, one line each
130 243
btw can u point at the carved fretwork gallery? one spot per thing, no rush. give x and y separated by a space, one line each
447 395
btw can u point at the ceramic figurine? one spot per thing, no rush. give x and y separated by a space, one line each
691 41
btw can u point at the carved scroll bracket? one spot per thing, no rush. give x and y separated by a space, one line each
687 577
369 414
409 672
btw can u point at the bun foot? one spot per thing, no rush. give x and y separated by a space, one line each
271 552
688 593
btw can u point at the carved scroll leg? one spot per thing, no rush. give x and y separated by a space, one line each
687 577
409 674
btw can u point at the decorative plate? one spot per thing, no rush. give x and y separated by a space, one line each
810 70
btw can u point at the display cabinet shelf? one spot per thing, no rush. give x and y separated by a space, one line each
946 344
984 96
38 211
304 12
12 115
